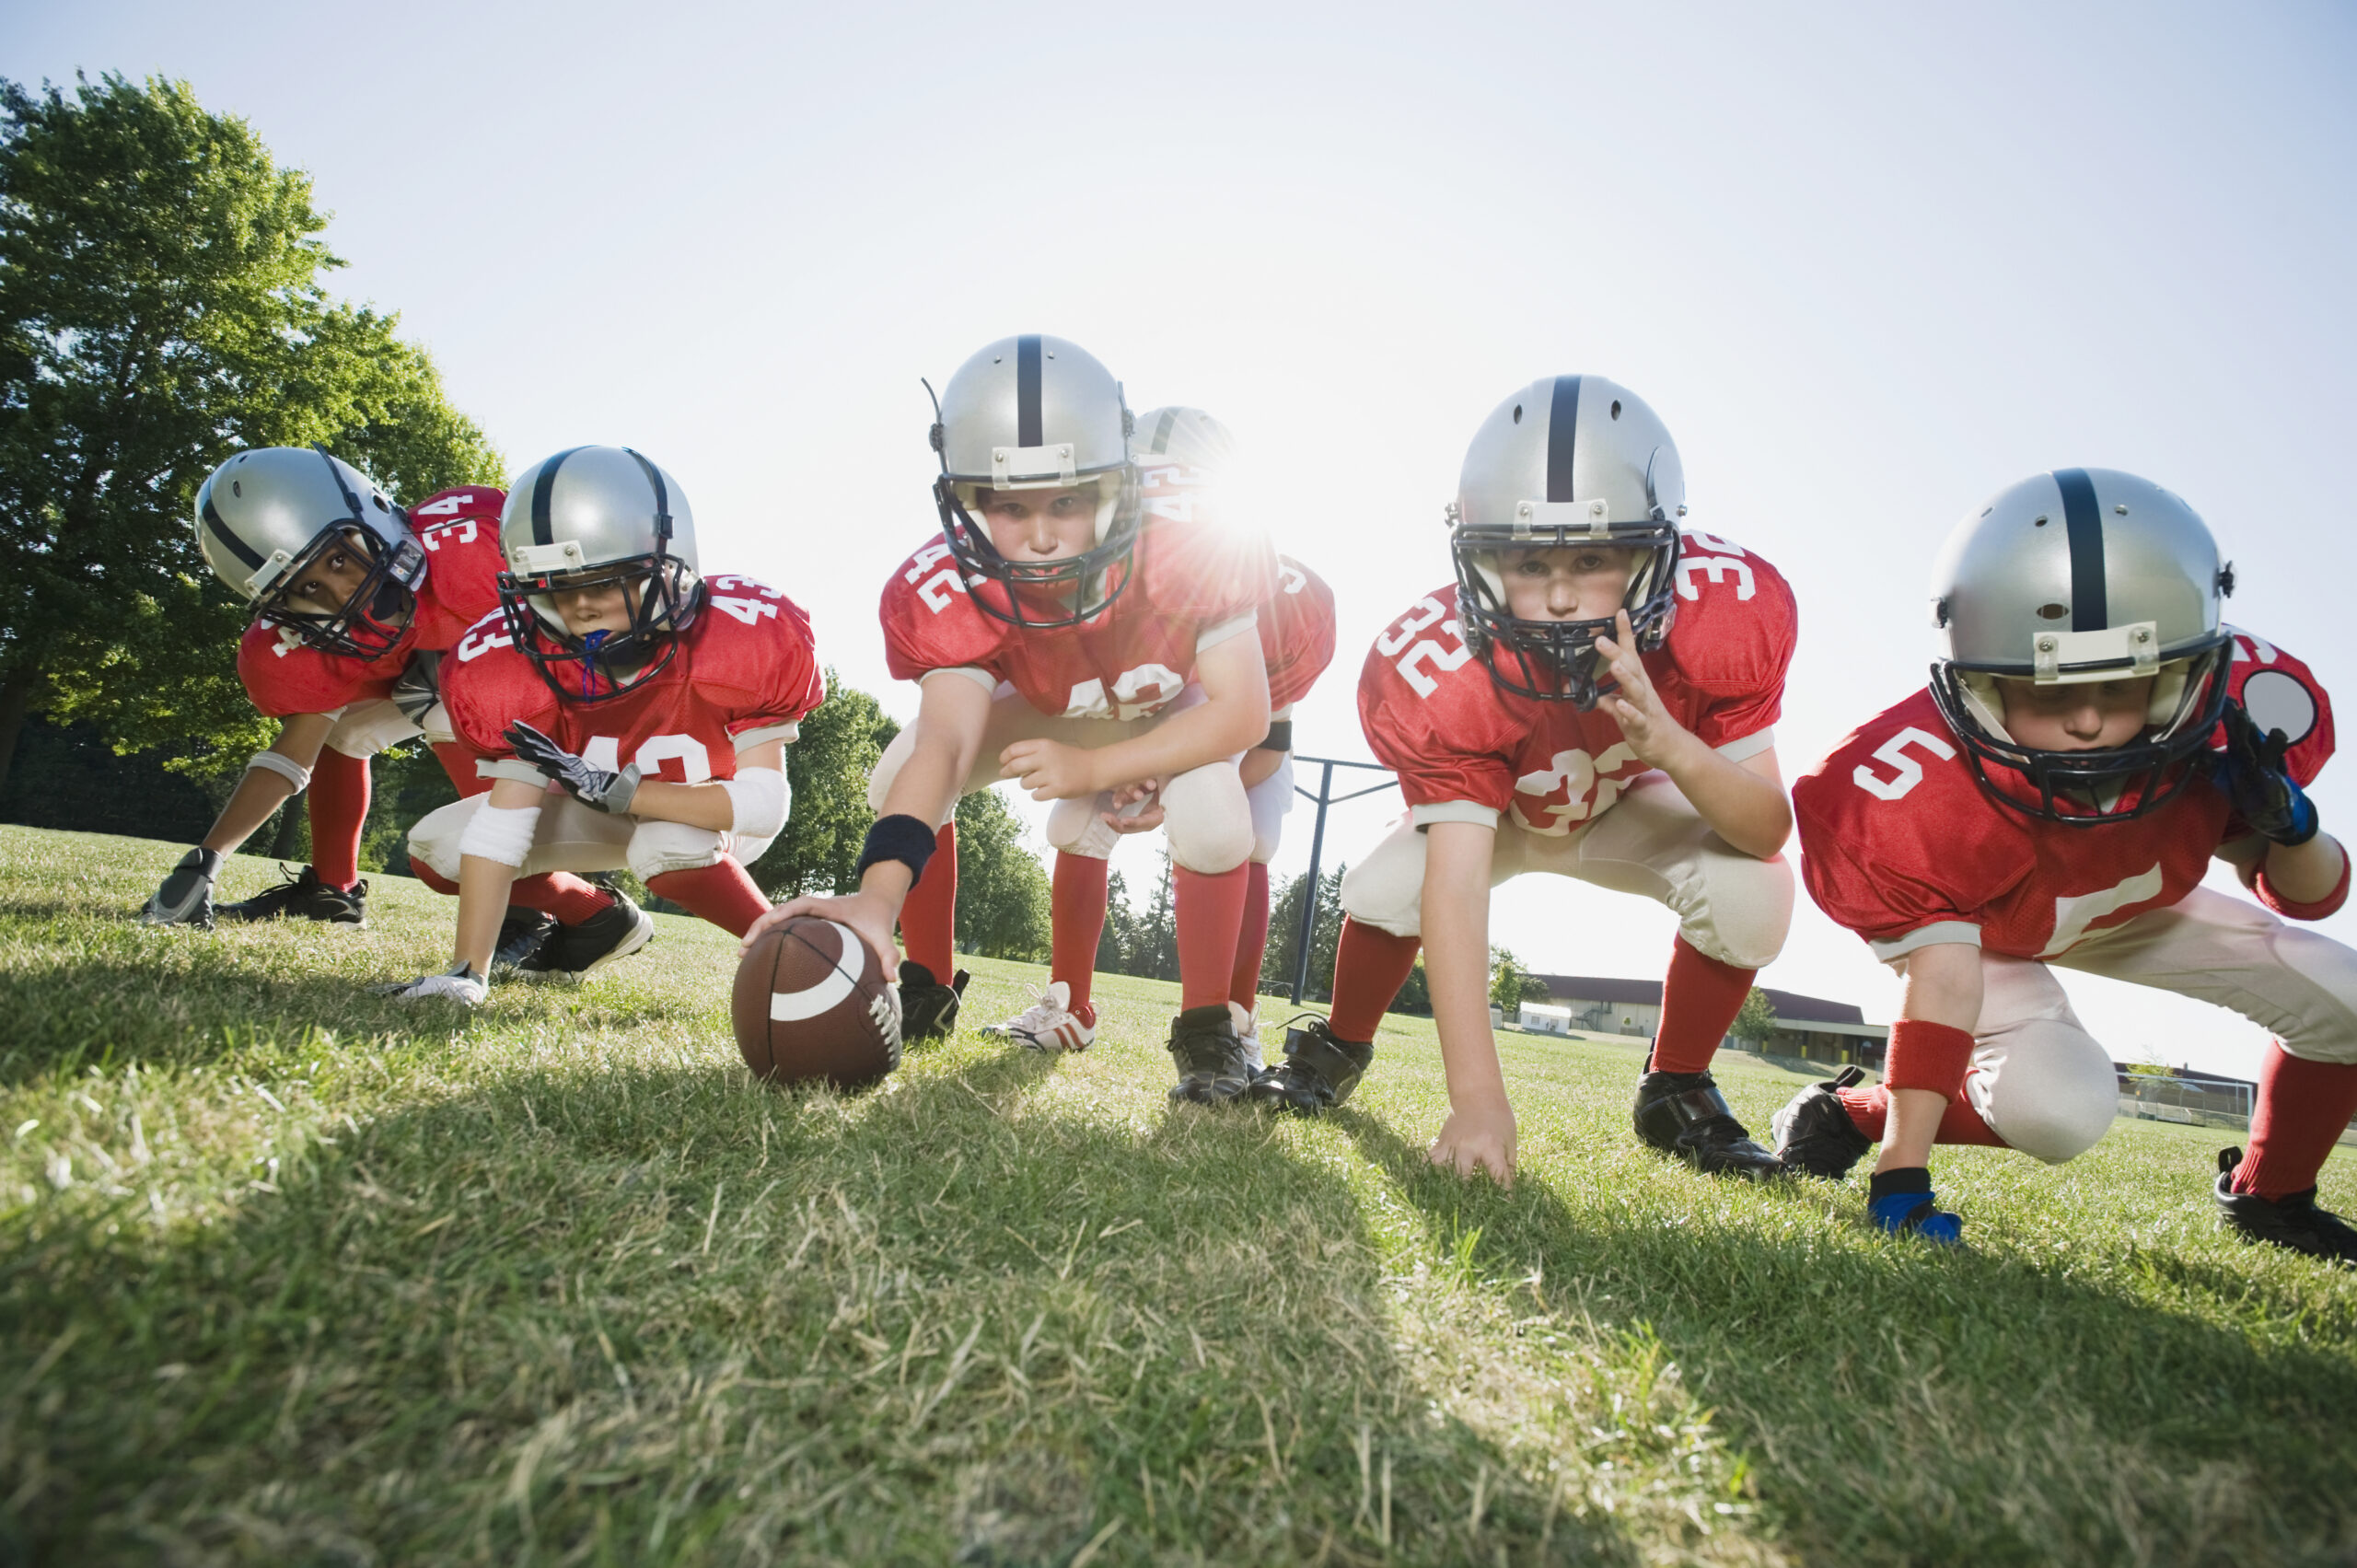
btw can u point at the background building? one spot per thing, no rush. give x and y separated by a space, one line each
1809 1027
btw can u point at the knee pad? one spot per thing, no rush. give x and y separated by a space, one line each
1385 890
1074 827
1746 911
1208 820
365 729
2052 1094
657 847
433 840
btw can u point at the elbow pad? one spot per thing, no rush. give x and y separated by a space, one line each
503 834
2329 904
761 799
285 767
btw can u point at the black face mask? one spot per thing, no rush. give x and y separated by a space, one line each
1555 661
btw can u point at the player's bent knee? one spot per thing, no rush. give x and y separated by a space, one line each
1385 890
658 847
366 728
1209 821
1746 912
433 840
2056 1094
1078 827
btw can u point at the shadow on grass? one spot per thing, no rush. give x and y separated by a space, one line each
664 1315
1907 1404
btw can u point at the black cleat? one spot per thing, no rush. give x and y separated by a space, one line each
1814 1133
2293 1221
524 938
1317 1073
303 898
1684 1114
610 934
928 1008
1212 1068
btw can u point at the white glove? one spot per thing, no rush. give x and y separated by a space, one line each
460 984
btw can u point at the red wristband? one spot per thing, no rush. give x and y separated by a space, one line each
2327 905
1925 1055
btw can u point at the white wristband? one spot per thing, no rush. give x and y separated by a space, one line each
285 767
759 797
503 834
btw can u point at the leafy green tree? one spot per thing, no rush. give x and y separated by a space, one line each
161 306
828 768
1756 1021
1120 938
1002 895
1511 985
1325 935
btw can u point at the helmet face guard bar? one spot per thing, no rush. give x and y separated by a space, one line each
1555 661
372 620
1074 586
602 665
2150 773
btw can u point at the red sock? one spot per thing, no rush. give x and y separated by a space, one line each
338 807
2301 1110
459 763
1870 1107
1252 939
929 918
1209 911
1699 1000
1370 966
1078 924
723 893
560 894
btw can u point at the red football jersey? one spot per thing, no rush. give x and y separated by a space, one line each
1132 659
1898 837
746 663
1296 632
459 529
1434 716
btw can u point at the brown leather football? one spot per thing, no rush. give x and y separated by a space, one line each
814 1004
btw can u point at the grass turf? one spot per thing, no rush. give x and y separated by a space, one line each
293 1274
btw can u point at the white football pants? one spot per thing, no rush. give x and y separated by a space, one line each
2049 1088
574 837
1731 906
1205 812
363 729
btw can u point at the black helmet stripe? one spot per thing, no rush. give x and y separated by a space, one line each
1027 391
235 546
662 496
1562 438
543 527
1162 429
2090 602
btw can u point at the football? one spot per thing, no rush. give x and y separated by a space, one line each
814 1004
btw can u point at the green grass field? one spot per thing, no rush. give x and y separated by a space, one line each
296 1275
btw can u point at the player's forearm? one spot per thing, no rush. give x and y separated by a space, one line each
267 784
1943 987
2305 873
695 806
482 904
1455 911
1750 811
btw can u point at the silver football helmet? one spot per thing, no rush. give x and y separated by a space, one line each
1566 461
589 516
267 517
2083 574
1035 412
1186 437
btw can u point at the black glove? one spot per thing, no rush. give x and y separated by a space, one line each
596 787
2250 771
186 897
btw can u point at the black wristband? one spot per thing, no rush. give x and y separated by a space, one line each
902 838
1279 738
1904 1179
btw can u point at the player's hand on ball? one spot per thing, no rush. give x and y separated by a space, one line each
1648 727
601 789
1477 1140
186 897
460 984
1049 770
870 914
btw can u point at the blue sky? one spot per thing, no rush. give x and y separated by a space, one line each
1870 264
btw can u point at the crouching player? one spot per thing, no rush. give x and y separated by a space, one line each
1053 631
1591 699
351 596
2092 736
1182 454
626 712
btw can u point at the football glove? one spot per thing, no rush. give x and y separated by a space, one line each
2250 771
458 983
186 897
606 791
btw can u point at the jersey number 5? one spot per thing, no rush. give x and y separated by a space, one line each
1905 771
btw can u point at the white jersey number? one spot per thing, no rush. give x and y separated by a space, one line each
2072 916
485 634
695 762
744 599
1442 656
1136 693
1905 771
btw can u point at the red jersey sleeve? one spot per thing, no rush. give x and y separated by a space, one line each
460 530
1296 632
1203 572
487 684
1733 641
1429 713
932 622
2279 692
764 665
284 677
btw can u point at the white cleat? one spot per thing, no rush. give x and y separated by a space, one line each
1049 1024
1248 1030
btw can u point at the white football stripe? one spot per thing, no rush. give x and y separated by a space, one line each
788 1006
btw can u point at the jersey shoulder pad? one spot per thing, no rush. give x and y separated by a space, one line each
754 646
1737 623
931 622
487 684
2281 692
459 531
1204 573
283 675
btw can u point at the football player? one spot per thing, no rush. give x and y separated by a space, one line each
1182 453
1063 638
627 712
1593 698
2091 736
